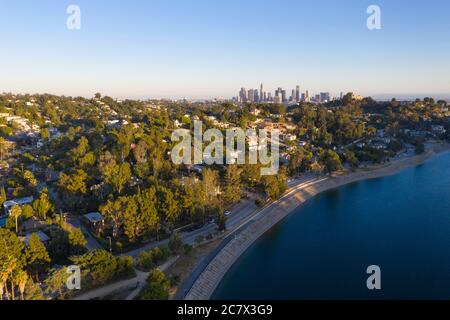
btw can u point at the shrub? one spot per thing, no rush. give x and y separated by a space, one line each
125 267
176 244
259 202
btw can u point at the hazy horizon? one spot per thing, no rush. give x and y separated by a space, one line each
204 50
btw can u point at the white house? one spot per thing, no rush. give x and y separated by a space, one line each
7 205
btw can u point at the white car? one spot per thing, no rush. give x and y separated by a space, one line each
227 213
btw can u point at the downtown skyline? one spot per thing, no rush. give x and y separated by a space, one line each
203 50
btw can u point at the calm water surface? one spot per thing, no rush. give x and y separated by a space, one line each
322 251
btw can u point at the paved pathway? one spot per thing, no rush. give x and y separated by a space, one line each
137 283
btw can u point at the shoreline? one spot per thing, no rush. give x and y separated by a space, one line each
210 278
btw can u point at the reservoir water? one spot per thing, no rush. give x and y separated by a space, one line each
322 250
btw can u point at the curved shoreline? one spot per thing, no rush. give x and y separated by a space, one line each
208 281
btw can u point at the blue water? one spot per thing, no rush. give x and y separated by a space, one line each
400 223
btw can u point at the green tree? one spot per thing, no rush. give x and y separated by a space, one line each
148 214
119 176
351 159
77 241
232 189
331 160
45 134
29 178
58 246
43 206
222 221
21 280
2 197
38 259
12 261
2 148
33 291
112 211
168 206
73 184
27 212
274 186
176 244
157 287
56 282
97 267
15 213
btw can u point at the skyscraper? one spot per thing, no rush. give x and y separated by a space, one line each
297 94
251 95
324 97
261 93
283 96
243 95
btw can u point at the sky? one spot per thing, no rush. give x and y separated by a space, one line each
211 48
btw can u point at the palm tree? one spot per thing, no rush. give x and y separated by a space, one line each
16 212
2 148
21 280
3 280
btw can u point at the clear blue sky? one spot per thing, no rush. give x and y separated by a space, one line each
210 48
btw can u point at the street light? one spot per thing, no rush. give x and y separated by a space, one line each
110 244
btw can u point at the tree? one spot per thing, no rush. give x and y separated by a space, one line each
176 244
21 281
296 161
168 205
12 261
2 196
45 134
43 206
33 291
2 148
73 184
58 246
27 212
331 160
56 281
148 214
29 178
119 176
232 189
140 152
112 211
73 188
274 186
38 259
157 287
132 227
351 159
222 221
211 184
80 150
15 213
77 241
97 267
